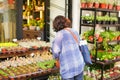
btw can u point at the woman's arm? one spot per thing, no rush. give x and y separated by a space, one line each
57 45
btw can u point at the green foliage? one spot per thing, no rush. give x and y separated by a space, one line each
89 1
46 64
103 1
83 1
88 33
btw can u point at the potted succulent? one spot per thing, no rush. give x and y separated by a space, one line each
83 3
89 3
96 4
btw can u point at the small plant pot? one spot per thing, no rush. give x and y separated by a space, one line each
106 6
103 5
83 5
110 22
106 22
115 22
118 7
32 27
89 5
110 6
101 22
87 22
118 38
96 5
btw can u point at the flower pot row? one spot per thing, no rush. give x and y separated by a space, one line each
100 5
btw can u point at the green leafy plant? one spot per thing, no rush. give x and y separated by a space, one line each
83 1
103 1
89 1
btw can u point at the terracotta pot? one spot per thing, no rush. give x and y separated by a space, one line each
110 6
118 38
89 5
106 6
102 5
96 5
118 7
83 5
57 63
10 1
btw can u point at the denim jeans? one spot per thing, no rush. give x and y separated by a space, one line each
78 77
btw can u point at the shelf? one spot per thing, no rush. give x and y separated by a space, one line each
99 9
105 62
40 73
113 42
90 25
102 25
9 54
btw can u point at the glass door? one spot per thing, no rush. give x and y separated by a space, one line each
7 20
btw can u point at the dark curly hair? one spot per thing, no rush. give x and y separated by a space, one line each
60 22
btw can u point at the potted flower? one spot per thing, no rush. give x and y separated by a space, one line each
96 4
83 3
89 3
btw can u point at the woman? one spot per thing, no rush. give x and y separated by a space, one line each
66 49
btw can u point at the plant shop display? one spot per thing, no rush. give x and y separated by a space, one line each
100 19
110 73
102 4
105 42
25 59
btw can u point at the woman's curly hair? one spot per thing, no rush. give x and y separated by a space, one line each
60 22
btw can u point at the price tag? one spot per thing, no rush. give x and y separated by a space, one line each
38 38
83 42
87 14
119 14
32 54
14 40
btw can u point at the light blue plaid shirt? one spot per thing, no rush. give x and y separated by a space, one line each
67 50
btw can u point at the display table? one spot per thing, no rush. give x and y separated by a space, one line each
32 34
